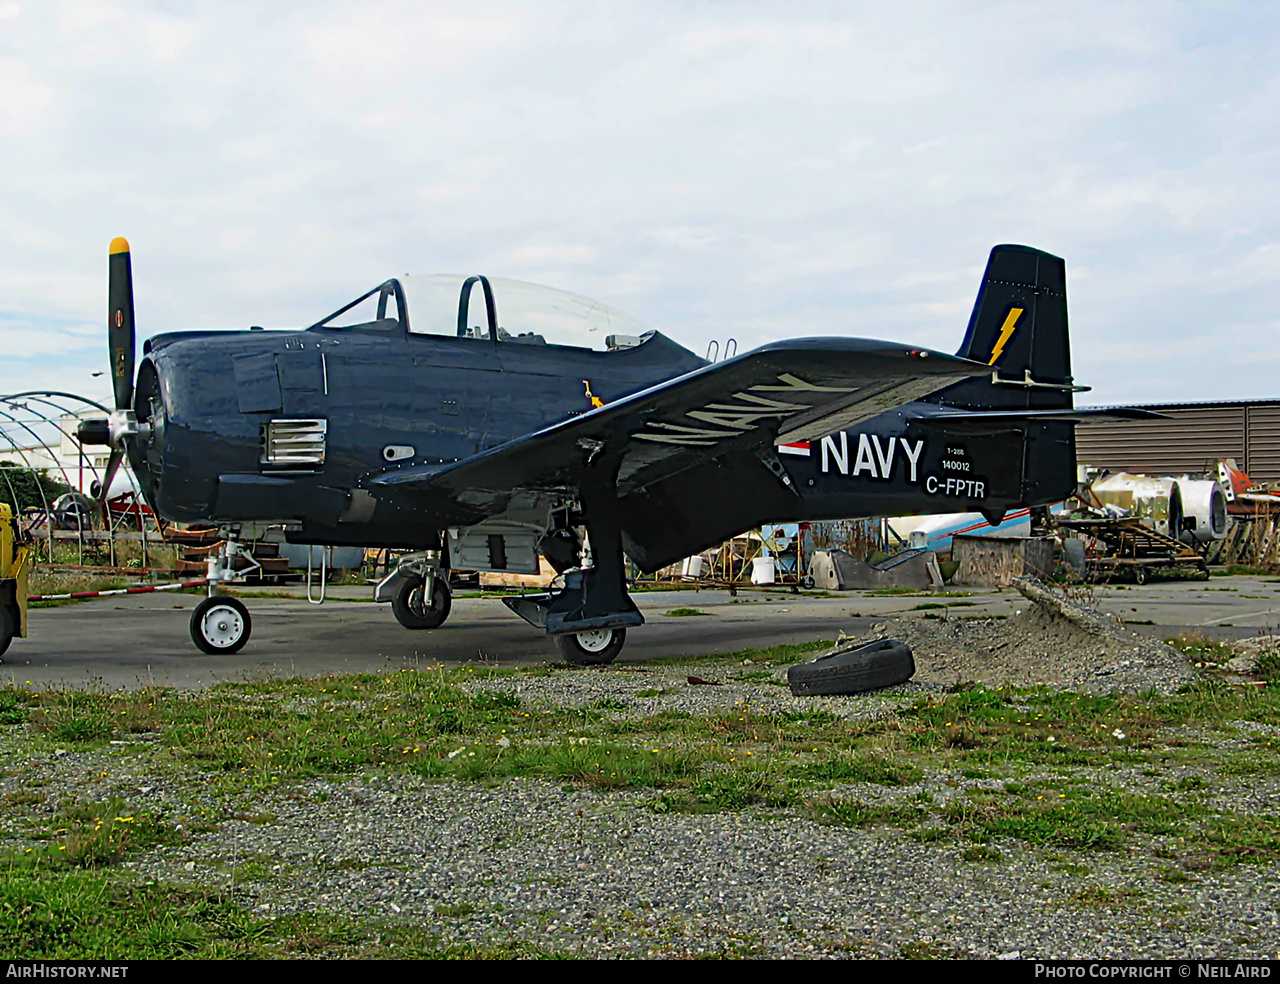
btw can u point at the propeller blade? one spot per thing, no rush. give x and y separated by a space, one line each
113 465
120 333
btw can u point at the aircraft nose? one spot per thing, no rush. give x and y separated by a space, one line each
145 446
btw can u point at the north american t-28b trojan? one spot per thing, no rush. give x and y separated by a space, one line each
478 424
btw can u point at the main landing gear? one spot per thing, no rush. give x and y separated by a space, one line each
595 647
221 625
590 615
412 608
418 590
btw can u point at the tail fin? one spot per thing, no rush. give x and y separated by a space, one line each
1019 328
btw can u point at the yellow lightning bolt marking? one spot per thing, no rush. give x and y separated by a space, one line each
1006 330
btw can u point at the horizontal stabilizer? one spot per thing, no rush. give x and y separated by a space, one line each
1097 415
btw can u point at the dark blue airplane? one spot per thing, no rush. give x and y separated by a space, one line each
479 424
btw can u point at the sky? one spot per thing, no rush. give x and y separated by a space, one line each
749 170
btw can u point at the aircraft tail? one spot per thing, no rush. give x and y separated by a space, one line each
1019 328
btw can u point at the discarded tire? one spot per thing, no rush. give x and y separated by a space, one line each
851 671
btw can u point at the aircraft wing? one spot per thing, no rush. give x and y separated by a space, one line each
788 391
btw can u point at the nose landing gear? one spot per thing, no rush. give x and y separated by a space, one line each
221 625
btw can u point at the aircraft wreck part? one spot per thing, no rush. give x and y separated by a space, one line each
220 625
410 607
854 668
1204 511
1157 500
911 568
596 647
1134 549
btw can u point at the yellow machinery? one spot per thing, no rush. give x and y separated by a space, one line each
13 580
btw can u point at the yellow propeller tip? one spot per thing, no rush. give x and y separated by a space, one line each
119 245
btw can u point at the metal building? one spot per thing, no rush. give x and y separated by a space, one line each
1195 436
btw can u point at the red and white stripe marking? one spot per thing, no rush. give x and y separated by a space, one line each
796 447
144 589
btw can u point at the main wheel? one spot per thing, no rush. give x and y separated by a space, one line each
1139 575
595 647
220 625
412 612
8 628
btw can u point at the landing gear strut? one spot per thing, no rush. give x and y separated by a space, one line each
414 611
221 625
589 616
418 590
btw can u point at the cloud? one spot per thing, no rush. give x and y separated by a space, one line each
758 170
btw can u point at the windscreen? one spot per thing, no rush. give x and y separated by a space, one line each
526 312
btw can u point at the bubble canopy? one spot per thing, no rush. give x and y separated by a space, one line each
491 309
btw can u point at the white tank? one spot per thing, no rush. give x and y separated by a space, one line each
762 570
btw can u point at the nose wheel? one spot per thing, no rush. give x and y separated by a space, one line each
220 625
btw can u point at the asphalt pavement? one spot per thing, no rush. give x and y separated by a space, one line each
142 640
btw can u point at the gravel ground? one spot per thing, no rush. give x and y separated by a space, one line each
603 874
1051 640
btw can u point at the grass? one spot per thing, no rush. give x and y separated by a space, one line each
1013 765
684 612
50 914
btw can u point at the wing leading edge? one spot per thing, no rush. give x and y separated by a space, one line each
789 391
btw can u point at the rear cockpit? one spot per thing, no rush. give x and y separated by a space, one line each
483 309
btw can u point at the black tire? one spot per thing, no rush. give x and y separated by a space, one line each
807 581
884 663
8 627
409 609
591 648
220 625
1139 575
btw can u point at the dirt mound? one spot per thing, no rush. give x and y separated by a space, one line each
1053 640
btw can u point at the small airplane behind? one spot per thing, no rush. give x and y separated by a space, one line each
478 424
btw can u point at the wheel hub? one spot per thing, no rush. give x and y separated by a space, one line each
595 640
222 626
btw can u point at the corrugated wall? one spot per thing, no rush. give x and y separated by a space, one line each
1195 437
1263 464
